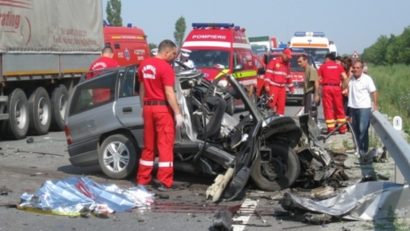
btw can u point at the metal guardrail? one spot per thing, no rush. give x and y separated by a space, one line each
394 142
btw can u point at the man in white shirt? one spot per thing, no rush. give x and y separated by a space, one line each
362 98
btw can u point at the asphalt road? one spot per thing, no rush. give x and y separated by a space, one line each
24 166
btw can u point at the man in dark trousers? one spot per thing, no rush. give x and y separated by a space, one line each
160 109
311 86
362 98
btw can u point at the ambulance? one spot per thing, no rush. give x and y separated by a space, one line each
216 46
129 44
315 44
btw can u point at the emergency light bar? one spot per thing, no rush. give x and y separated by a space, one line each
204 25
294 49
310 34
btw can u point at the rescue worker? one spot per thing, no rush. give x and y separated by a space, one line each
105 61
333 79
362 97
311 96
277 78
160 109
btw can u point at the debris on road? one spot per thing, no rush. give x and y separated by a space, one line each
81 196
362 201
4 191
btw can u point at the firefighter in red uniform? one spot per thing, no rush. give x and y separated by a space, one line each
160 108
333 79
105 61
277 79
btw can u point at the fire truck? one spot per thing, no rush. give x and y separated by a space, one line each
316 44
222 45
44 51
261 45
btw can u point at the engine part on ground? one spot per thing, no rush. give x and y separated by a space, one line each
222 221
221 181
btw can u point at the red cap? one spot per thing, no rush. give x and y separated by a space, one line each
288 53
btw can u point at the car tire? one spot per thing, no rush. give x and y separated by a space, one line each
17 125
59 99
280 172
118 165
39 105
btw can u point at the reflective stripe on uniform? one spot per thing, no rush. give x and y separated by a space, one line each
244 74
277 72
341 120
165 164
146 163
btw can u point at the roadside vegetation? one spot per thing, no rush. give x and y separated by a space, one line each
393 84
389 59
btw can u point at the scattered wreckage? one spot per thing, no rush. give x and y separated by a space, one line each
275 152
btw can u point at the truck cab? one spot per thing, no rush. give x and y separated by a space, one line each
216 46
129 44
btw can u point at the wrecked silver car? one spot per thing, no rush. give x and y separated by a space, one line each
234 148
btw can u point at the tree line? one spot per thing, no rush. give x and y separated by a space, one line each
389 50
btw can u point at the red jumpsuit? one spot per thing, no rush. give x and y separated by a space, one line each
277 79
333 109
101 95
159 128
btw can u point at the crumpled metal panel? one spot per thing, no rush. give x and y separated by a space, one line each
74 195
362 201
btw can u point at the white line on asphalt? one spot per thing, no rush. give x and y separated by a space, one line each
301 111
248 207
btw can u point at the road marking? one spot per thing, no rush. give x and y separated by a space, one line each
301 111
248 207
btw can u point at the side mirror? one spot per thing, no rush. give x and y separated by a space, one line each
238 67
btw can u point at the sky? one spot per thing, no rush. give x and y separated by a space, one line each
352 24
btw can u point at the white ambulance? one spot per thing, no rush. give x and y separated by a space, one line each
315 44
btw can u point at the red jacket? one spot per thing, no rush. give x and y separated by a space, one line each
277 73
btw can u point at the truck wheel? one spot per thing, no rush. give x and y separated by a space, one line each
277 172
16 126
117 156
59 99
39 111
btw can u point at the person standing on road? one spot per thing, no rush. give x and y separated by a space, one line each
362 97
105 61
311 96
160 109
277 78
333 79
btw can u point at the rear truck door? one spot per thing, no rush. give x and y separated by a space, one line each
128 106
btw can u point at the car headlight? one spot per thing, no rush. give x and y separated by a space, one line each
223 83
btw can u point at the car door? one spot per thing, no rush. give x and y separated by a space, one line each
128 108
91 111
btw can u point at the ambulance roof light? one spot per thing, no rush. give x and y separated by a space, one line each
204 25
129 25
311 34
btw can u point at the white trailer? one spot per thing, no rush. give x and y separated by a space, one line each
45 47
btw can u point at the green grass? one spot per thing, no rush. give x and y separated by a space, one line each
393 85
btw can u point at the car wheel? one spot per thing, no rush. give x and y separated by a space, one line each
16 126
39 111
59 98
117 156
278 171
